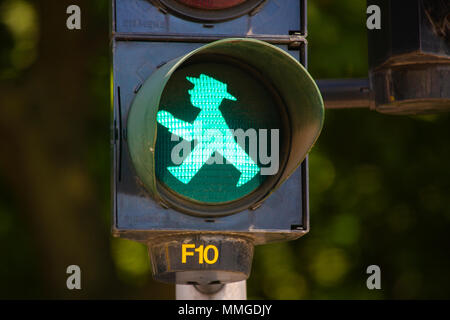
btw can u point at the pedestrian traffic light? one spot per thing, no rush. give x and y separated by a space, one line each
216 99
409 57
210 135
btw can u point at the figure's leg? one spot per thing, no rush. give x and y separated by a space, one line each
233 152
192 164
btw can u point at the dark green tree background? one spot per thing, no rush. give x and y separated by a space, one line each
379 184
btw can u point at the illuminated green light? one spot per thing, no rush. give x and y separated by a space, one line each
209 130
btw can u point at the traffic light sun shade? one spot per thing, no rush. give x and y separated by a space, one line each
190 108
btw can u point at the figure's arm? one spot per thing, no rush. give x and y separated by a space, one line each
176 126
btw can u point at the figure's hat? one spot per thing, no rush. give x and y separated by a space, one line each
209 84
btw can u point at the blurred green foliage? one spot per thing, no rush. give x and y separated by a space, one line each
20 20
379 185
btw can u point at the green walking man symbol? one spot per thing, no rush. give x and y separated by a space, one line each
210 130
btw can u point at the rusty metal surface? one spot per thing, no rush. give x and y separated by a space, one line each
136 214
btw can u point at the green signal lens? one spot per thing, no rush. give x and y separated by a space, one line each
203 106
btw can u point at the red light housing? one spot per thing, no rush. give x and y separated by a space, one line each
211 4
210 10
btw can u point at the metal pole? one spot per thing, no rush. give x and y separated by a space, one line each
230 291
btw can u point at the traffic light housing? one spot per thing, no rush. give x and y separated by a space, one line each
180 93
246 61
